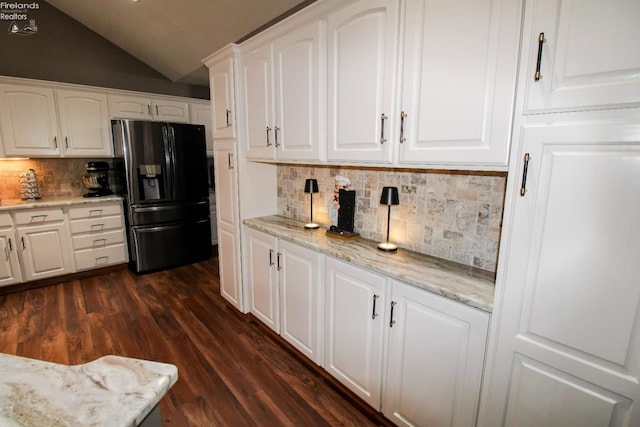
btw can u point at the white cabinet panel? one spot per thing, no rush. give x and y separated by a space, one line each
200 114
362 56
259 115
9 264
590 57
144 108
221 83
45 250
263 278
354 328
229 266
458 81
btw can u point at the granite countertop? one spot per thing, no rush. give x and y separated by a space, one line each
468 285
110 391
46 202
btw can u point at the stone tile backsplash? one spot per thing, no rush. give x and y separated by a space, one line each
56 177
452 215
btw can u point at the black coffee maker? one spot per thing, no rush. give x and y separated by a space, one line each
97 179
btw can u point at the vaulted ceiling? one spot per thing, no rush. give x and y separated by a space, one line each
173 37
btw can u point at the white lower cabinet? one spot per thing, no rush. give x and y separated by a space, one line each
435 359
9 263
354 328
432 347
97 235
44 243
284 283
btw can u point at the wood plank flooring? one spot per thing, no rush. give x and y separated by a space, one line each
233 371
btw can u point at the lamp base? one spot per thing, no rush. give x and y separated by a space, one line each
387 247
311 226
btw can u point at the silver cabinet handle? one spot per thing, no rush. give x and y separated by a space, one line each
229 155
99 242
23 245
275 130
7 250
95 212
391 321
228 112
104 259
373 312
383 117
95 227
55 141
278 266
525 170
149 108
42 218
268 142
157 111
403 116
270 257
66 142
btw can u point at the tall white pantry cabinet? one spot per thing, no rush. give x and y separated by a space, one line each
565 340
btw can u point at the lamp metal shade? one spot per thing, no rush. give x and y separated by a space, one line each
389 196
311 186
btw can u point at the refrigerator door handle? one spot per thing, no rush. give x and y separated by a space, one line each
169 160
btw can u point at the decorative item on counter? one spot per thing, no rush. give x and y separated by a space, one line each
311 186
30 190
389 197
342 209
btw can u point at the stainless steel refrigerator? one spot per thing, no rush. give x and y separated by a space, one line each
163 176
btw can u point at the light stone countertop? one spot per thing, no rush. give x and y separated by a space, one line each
47 202
110 391
468 285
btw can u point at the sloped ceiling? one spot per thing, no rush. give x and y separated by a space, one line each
174 36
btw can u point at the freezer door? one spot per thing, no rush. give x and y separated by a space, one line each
140 215
159 247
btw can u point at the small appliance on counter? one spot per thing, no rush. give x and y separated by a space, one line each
97 179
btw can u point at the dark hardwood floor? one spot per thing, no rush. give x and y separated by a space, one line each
232 370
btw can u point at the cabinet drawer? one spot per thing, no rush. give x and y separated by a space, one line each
5 220
95 211
97 240
100 257
95 224
28 217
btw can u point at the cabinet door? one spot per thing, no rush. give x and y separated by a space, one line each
590 56
264 267
222 99
259 117
354 326
435 359
129 107
200 114
229 266
362 56
9 265
167 110
28 121
458 81
568 351
45 250
84 124
300 298
300 113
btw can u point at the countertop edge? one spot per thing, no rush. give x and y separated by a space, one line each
46 202
457 282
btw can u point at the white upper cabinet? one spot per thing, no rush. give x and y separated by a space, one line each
84 124
362 57
222 99
43 122
28 121
143 108
284 96
589 56
458 84
200 114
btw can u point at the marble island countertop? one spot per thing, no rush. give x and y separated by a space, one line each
468 285
45 202
110 391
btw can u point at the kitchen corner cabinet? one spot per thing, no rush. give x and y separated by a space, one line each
362 57
435 359
9 263
283 96
568 349
221 84
458 83
44 243
43 122
143 108
355 320
200 114
589 55
284 290
225 159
